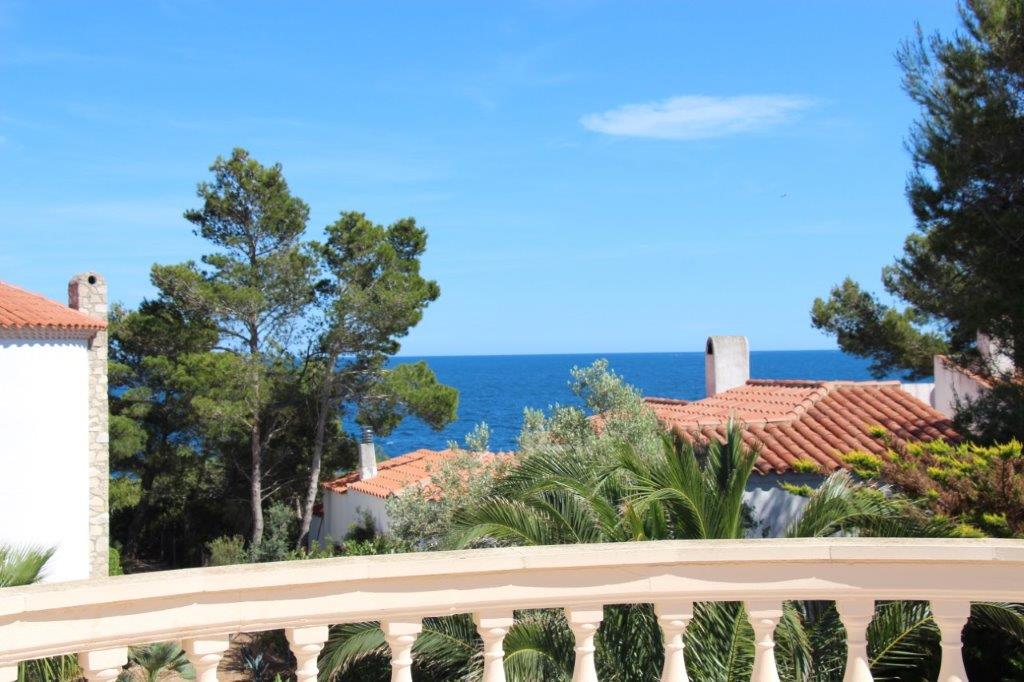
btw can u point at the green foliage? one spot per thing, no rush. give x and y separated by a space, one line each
253 289
423 519
25 566
961 271
279 536
53 669
409 389
227 390
114 562
364 529
802 490
161 658
477 440
864 464
227 551
22 565
806 466
996 416
617 415
863 326
980 488
570 487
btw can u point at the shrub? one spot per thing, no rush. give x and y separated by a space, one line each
226 551
114 562
421 519
279 532
806 466
979 487
864 464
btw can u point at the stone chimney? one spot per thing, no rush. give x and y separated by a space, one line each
87 292
367 456
726 363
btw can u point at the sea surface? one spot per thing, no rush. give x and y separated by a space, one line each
496 388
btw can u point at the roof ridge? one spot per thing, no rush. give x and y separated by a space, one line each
667 401
801 383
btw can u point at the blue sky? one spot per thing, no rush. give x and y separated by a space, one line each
594 176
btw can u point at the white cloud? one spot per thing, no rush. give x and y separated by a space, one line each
695 117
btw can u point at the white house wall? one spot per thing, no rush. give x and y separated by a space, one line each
344 510
951 385
773 508
44 450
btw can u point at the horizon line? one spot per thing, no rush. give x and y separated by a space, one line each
643 352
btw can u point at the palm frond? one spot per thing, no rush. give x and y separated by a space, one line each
903 639
22 565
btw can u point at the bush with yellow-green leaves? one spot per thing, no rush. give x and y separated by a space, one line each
980 487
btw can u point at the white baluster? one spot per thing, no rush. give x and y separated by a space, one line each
951 616
104 664
8 673
306 644
764 616
856 615
674 616
493 626
584 622
205 655
400 636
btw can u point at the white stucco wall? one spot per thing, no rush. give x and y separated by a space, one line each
952 384
44 457
773 508
343 510
923 392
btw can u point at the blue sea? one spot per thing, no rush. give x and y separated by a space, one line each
496 388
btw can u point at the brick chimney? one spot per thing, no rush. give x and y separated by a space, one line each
726 363
87 292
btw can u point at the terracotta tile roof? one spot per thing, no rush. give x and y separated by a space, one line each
21 309
398 473
817 421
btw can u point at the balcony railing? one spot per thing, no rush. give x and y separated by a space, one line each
99 619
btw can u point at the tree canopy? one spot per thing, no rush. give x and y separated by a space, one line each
228 387
961 271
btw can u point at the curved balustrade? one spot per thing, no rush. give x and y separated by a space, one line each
202 607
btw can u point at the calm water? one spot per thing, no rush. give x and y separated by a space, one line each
496 388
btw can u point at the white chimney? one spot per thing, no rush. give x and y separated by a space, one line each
726 363
996 359
367 456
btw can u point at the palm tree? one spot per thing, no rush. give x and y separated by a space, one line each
22 565
162 657
25 566
681 490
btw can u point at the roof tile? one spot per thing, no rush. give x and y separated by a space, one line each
21 309
398 473
808 420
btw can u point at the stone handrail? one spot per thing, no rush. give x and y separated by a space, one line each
98 619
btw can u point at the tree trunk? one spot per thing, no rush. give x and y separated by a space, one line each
139 515
314 476
323 408
256 486
256 445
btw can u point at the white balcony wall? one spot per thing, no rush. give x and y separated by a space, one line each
101 618
44 456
